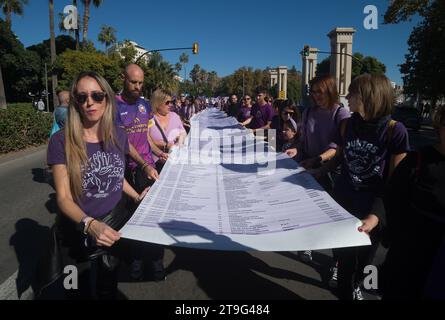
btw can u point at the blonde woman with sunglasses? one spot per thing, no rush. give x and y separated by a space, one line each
88 163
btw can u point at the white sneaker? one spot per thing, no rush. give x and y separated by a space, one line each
333 281
306 256
357 294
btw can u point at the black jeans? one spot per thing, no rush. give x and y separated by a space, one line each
352 261
140 250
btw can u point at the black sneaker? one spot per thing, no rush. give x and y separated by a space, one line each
158 271
137 270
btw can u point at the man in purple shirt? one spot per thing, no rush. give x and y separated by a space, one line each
262 113
135 116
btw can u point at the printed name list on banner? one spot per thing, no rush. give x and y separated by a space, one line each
227 190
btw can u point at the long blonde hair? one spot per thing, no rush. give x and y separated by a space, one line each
376 94
75 146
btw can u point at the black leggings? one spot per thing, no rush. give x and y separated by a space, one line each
353 260
139 250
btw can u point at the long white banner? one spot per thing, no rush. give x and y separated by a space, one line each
227 191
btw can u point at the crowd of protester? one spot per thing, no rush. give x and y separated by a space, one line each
111 148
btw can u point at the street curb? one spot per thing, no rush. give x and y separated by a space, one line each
22 154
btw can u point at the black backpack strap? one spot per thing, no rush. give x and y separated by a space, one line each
336 113
162 133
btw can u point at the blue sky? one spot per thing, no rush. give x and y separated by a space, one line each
233 33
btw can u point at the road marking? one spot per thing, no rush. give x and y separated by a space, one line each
8 290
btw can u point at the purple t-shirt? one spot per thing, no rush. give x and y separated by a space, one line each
102 181
367 150
135 119
173 130
319 129
261 115
244 113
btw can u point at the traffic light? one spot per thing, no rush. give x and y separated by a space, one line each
195 48
306 51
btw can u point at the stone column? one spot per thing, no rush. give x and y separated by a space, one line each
341 60
308 73
282 82
273 77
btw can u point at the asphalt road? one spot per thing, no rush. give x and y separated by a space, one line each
27 207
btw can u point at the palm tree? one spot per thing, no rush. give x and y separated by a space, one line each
107 36
53 51
184 58
12 7
86 16
78 26
2 91
71 31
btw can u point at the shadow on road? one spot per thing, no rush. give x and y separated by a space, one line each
42 175
321 263
29 241
229 274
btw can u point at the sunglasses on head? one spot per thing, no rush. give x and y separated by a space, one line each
97 96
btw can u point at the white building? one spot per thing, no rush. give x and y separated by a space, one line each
139 50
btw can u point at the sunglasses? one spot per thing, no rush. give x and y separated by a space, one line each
97 96
289 113
168 102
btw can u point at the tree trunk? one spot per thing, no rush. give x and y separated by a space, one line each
2 92
53 52
8 19
86 19
78 26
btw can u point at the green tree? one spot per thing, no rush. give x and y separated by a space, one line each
53 53
3 104
11 7
403 10
70 63
323 68
424 64
184 59
86 15
124 54
360 65
294 84
178 67
159 74
63 43
20 67
107 36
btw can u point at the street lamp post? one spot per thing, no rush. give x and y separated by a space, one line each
46 86
194 49
346 54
